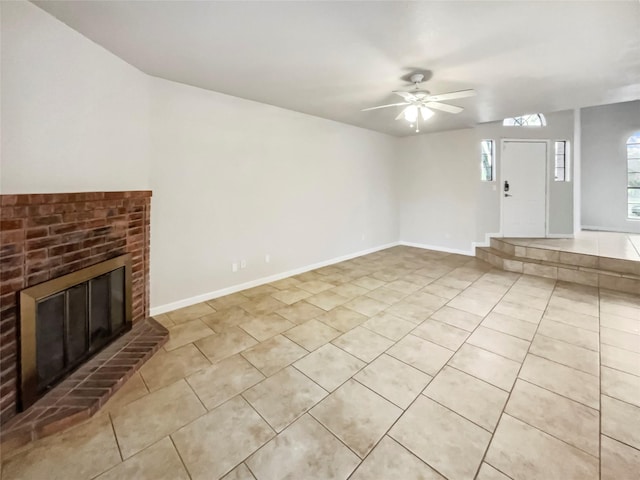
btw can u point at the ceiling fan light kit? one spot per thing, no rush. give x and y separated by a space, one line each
419 103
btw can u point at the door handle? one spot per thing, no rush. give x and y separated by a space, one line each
508 195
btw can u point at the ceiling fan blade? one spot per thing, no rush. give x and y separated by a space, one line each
444 107
408 96
384 106
452 95
401 114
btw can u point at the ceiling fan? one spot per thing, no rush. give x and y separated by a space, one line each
419 103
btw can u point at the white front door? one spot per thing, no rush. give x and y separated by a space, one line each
524 204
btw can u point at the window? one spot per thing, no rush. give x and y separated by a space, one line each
528 120
562 163
486 156
633 176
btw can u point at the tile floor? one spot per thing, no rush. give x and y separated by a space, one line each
404 364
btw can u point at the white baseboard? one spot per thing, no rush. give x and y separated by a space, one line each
606 229
439 248
168 307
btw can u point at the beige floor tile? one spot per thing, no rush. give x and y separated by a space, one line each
574 318
574 306
388 325
215 443
510 325
91 446
472 305
426 300
262 305
621 421
566 381
570 421
629 325
407 287
186 332
390 460
227 318
416 279
349 290
342 319
283 397
620 310
620 339
457 318
570 355
305 450
487 366
530 301
165 368
500 343
357 416
266 326
394 380
225 344
274 354
440 290
618 461
312 334
362 343
133 389
453 282
620 385
368 283
521 312
442 334
411 312
159 461
620 359
329 366
222 303
386 295
421 354
224 380
570 334
474 399
454 445
147 420
285 283
259 291
315 286
366 306
327 300
300 312
524 452
241 472
190 313
291 295
487 472
164 320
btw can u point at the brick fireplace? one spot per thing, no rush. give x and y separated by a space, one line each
45 236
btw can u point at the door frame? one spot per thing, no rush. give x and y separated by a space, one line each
547 186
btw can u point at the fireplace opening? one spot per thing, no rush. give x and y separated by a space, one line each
67 320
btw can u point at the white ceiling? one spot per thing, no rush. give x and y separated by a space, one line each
332 59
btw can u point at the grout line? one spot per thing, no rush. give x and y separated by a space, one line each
115 436
184 465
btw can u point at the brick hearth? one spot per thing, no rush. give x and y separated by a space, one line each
43 236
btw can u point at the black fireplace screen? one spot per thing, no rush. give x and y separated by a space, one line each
65 321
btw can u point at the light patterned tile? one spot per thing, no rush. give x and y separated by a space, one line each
441 290
574 318
291 295
190 313
229 342
315 286
327 300
312 334
368 283
409 311
566 354
305 450
474 305
300 312
349 290
329 366
222 303
421 354
620 385
521 451
241 472
386 295
620 339
500 343
224 380
283 397
285 283
342 319
259 291
621 421
262 305
510 325
366 306
570 334
186 332
266 326
201 449
457 318
468 396
406 287
362 343
620 359
487 472
388 325
357 416
487 366
165 367
449 436
442 334
227 318
394 380
618 460
426 300
521 312
274 354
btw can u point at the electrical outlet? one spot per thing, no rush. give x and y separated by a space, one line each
234 267
243 263
267 258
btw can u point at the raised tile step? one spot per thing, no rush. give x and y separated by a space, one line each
566 266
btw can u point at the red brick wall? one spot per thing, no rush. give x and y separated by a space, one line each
44 236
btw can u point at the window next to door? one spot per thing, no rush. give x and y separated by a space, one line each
561 161
633 176
487 159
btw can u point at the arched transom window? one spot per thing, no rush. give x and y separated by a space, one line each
528 120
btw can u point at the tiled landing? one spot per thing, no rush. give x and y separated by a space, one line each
598 259
404 364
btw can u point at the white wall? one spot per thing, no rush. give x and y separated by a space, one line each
444 204
74 116
605 131
234 179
